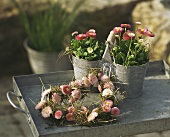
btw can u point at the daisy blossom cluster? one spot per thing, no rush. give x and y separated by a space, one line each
131 47
86 46
64 103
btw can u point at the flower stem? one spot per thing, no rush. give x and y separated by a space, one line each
126 61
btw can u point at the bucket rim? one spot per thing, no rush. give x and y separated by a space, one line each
28 48
135 66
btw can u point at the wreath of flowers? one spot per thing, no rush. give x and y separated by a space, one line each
64 103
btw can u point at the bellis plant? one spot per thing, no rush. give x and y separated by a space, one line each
131 48
65 104
86 46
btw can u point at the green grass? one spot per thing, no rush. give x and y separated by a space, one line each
46 23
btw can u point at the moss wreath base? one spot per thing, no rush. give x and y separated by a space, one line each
64 104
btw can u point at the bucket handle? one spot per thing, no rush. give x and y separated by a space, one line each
107 69
15 106
109 44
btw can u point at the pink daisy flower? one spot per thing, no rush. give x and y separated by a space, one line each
118 30
91 33
81 36
108 103
142 30
66 89
106 108
128 35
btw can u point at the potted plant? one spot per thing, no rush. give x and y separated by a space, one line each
86 52
46 24
130 55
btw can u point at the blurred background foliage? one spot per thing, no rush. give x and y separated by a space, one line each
97 14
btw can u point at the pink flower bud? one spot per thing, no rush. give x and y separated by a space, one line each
58 114
100 88
93 79
70 117
71 100
100 75
115 111
71 109
109 85
105 78
86 82
126 25
39 105
56 98
92 30
76 94
149 33
138 23
84 109
78 83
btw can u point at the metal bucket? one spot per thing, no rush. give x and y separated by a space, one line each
130 79
81 66
45 62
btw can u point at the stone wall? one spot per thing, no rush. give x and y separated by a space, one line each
155 15
11 36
